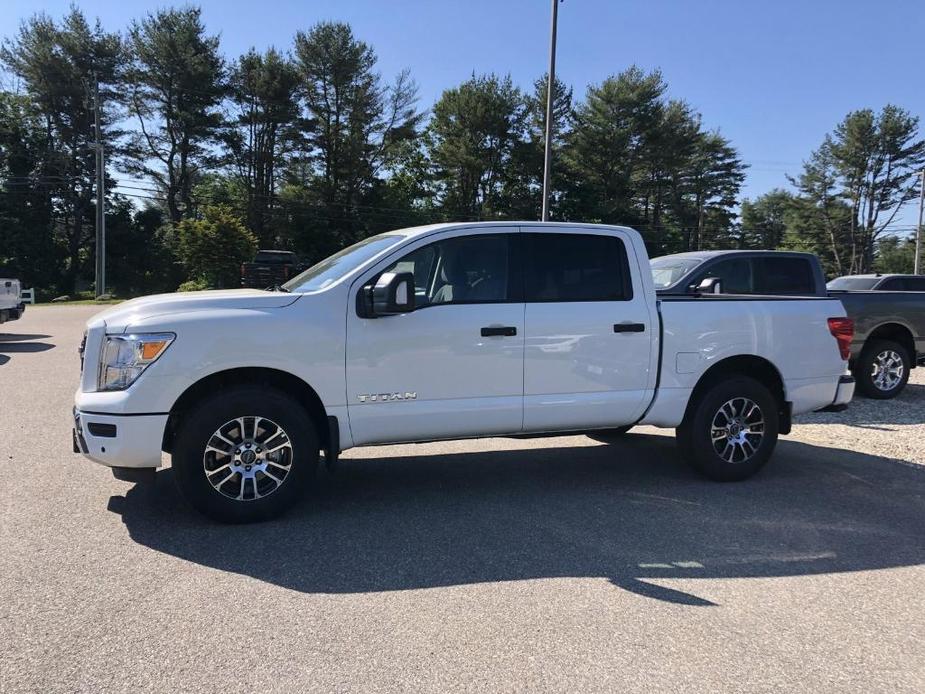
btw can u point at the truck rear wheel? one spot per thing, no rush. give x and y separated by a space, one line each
245 454
882 369
731 430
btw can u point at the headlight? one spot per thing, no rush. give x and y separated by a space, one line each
125 357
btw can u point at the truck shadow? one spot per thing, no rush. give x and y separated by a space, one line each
629 512
12 343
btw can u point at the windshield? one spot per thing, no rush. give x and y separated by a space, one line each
853 283
667 271
331 269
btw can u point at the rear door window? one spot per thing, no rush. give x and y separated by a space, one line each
734 273
784 276
576 267
895 284
915 284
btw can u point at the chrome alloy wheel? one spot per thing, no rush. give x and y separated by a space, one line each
247 458
887 370
737 430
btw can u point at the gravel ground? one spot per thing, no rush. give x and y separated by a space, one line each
892 428
493 565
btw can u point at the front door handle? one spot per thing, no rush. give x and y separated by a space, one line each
629 327
499 331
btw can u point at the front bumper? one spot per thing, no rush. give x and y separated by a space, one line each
131 441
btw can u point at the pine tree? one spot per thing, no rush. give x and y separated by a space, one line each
176 84
472 136
263 92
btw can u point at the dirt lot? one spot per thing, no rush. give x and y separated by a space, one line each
494 565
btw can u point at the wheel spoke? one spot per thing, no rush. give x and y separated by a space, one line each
241 432
218 435
230 475
279 446
252 432
273 477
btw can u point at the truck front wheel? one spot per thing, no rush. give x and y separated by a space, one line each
731 430
245 454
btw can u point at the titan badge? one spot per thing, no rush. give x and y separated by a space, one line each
387 397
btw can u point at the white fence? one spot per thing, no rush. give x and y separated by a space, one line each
28 296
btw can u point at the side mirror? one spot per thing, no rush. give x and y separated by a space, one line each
710 285
393 293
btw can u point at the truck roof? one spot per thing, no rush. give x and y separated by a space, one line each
878 275
417 231
704 255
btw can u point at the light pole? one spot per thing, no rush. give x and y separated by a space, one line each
550 90
100 193
918 229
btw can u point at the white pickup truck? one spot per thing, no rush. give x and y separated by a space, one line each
445 332
11 303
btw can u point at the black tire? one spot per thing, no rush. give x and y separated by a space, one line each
610 435
871 356
695 435
251 403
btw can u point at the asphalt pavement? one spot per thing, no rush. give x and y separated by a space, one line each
558 564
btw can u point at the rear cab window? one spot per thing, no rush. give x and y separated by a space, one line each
734 273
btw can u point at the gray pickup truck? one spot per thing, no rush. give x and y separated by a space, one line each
889 316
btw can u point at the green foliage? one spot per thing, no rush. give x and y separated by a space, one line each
212 248
176 84
765 219
474 131
265 123
895 255
56 64
858 180
638 158
27 235
197 285
354 126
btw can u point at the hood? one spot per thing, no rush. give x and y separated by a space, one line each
120 316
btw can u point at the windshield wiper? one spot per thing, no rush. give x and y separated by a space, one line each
276 288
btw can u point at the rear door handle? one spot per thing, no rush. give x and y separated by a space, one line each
499 331
629 327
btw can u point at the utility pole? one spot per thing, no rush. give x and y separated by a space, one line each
550 92
100 193
918 229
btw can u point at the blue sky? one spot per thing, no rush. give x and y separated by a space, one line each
773 77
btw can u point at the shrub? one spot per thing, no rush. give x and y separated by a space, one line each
193 286
212 248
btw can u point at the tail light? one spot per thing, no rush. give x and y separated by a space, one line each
842 330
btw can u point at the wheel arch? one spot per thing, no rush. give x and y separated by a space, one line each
895 332
750 365
290 384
